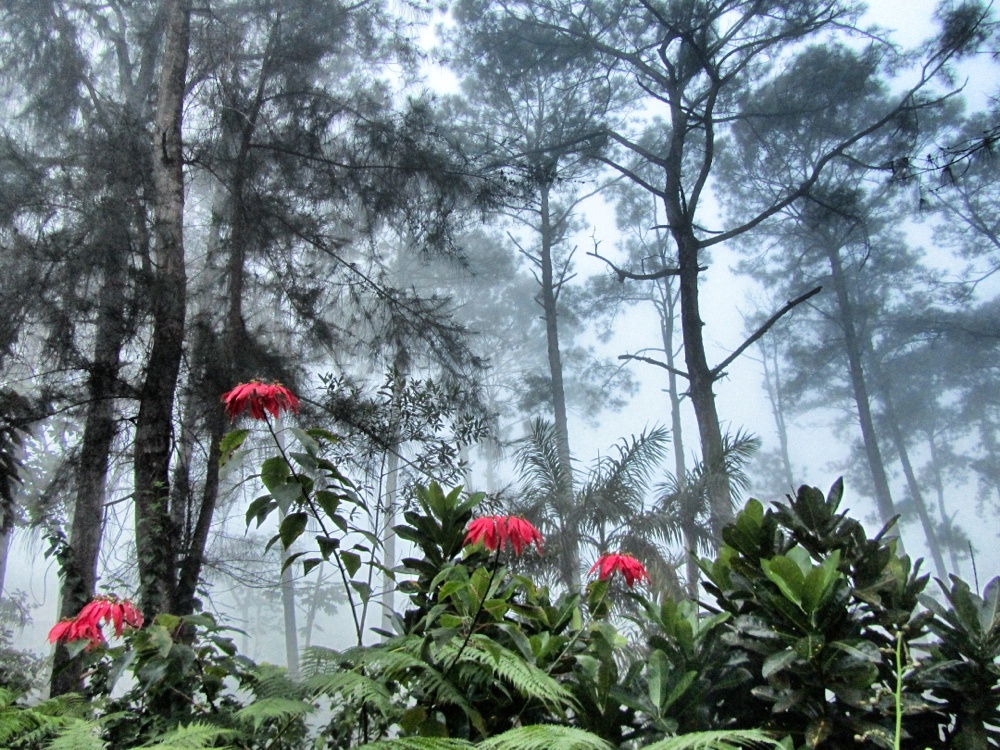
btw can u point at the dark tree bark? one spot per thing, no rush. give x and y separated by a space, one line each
168 289
79 571
570 561
859 386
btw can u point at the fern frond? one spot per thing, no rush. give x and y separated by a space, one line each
352 688
728 739
418 743
318 660
401 659
274 682
267 709
193 736
545 737
526 678
78 734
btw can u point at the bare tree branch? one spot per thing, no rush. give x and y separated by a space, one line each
717 371
658 363
622 274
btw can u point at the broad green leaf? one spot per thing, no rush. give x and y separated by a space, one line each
327 501
363 589
820 581
274 472
351 561
305 440
260 509
292 527
657 672
777 662
230 443
327 546
786 575
291 559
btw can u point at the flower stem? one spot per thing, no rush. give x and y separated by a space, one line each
479 611
319 519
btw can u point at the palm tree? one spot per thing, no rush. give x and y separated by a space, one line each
607 511
684 501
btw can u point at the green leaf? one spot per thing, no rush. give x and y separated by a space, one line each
786 574
363 589
327 546
269 709
230 443
305 440
274 472
680 688
292 527
291 560
327 501
260 509
819 582
351 561
657 671
723 739
778 661
308 565
545 737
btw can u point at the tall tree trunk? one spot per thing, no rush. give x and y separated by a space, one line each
859 386
946 520
666 308
899 443
153 528
389 536
570 559
701 379
776 397
79 571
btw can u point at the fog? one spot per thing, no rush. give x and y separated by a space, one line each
440 266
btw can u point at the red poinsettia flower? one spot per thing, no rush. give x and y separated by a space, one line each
120 613
499 531
259 398
628 566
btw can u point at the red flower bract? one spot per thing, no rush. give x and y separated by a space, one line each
120 613
499 531
628 566
259 398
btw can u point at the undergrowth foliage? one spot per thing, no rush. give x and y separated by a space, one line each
813 635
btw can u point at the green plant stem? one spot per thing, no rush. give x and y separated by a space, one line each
479 611
565 649
312 507
899 689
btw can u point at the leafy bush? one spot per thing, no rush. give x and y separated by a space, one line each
817 636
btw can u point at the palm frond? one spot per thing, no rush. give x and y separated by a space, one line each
545 737
616 487
537 459
728 739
